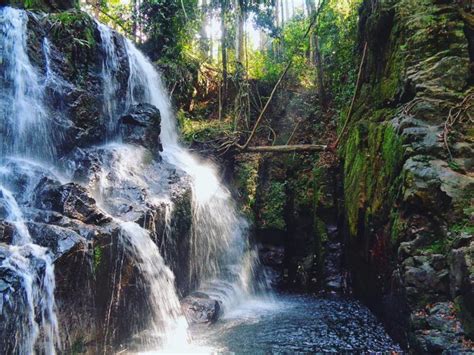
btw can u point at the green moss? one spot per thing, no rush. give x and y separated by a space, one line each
272 212
97 258
373 157
354 176
398 226
389 86
246 180
201 130
78 347
465 310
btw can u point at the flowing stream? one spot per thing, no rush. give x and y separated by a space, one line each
222 263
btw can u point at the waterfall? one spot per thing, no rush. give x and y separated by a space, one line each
110 67
23 115
25 127
167 320
222 260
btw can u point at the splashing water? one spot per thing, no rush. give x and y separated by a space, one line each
167 320
222 262
26 259
25 127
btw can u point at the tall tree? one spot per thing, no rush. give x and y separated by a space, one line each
315 53
224 8
239 12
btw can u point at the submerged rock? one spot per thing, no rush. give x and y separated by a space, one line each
200 308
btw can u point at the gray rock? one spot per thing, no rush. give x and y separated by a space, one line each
200 308
141 126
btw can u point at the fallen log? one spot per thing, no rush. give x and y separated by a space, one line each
287 148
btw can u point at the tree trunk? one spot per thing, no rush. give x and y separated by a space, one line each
315 56
204 41
282 9
239 105
224 49
320 73
239 32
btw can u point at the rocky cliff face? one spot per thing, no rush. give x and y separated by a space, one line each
408 172
96 279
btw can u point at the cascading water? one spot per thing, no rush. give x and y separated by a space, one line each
33 265
25 132
110 68
222 263
23 116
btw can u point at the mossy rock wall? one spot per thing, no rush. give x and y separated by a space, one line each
407 194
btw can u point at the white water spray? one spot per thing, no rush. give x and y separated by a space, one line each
221 261
25 132
26 259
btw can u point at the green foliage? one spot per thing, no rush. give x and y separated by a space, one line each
201 130
97 258
247 168
169 28
272 212
76 25
337 32
33 4
290 45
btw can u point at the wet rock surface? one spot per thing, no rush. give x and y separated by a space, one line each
84 240
200 308
141 125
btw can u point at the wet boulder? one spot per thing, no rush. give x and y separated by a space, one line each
6 232
57 239
71 199
141 126
199 308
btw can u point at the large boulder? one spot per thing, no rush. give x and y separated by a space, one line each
141 125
